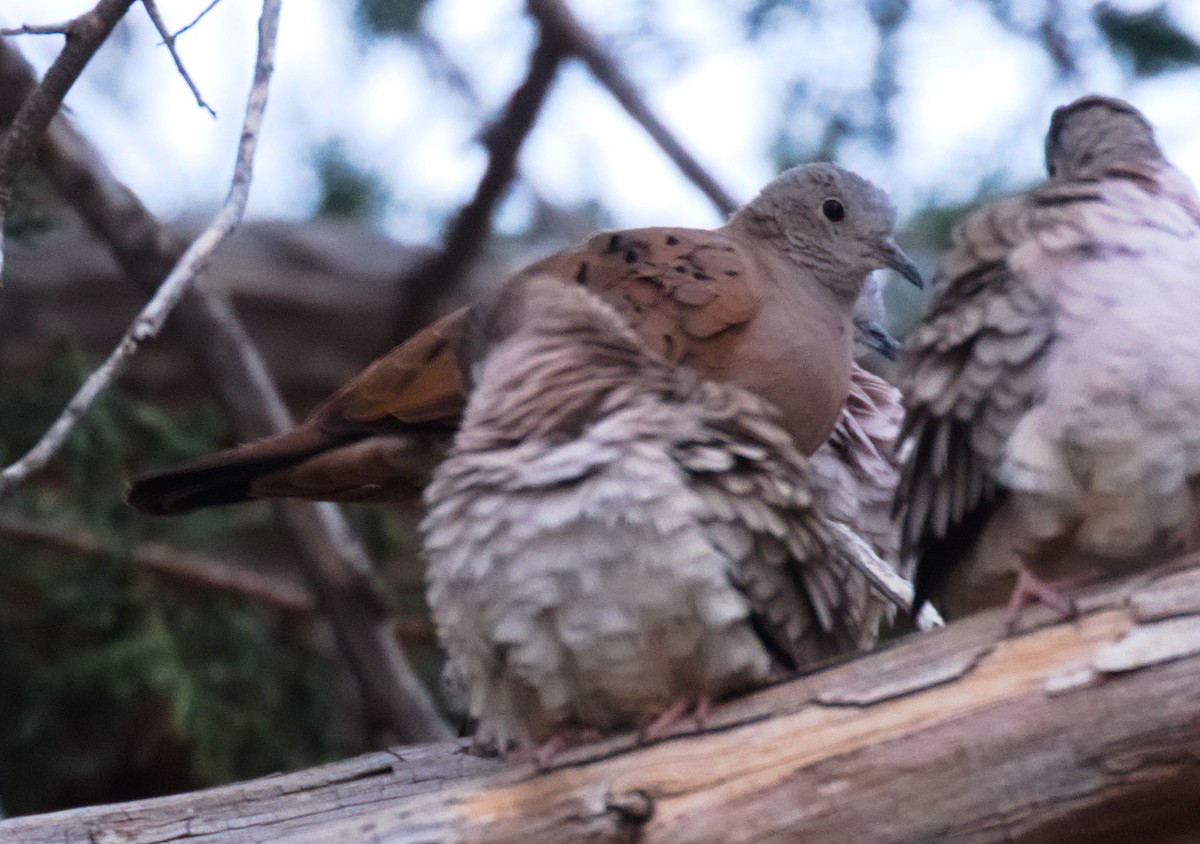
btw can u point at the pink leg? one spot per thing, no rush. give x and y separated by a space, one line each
563 740
697 707
1031 589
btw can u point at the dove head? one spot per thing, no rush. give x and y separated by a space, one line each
1096 132
830 221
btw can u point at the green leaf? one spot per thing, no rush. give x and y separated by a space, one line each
391 17
1150 40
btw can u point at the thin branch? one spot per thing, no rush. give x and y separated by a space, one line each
440 64
557 21
148 323
39 28
397 704
196 19
201 570
84 35
241 579
169 40
468 231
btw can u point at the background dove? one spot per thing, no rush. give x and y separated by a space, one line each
1053 389
611 535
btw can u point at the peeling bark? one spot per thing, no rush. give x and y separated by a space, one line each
1079 730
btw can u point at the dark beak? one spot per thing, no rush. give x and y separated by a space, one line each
893 257
874 336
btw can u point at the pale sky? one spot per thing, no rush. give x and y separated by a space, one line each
974 103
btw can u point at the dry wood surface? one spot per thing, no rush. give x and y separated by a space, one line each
1078 730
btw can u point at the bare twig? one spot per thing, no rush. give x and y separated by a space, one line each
557 21
84 35
194 260
467 233
440 64
396 702
169 40
238 578
196 19
39 28
208 572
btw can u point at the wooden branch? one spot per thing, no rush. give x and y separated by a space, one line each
557 21
39 28
209 573
238 578
270 808
334 564
1083 730
152 317
465 236
84 35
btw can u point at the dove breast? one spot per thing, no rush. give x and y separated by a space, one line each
611 533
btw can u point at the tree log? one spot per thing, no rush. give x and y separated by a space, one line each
1079 730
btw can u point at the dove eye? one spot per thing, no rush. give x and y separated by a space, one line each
833 210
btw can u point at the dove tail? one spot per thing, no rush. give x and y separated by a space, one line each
937 556
222 478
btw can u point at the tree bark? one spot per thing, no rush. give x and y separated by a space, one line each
1077 730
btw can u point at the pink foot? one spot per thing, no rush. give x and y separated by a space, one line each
697 708
1031 589
563 740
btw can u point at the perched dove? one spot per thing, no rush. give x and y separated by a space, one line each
764 302
1053 390
613 538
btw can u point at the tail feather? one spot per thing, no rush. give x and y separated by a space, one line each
224 477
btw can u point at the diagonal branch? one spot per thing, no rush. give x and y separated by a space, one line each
209 573
239 578
169 40
468 231
337 568
39 28
84 35
148 323
196 19
557 22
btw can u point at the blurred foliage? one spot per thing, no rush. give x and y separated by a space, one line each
1149 40
764 15
29 215
115 686
348 192
390 17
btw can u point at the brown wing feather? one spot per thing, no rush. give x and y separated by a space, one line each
418 381
676 287
377 438
808 600
969 372
380 435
